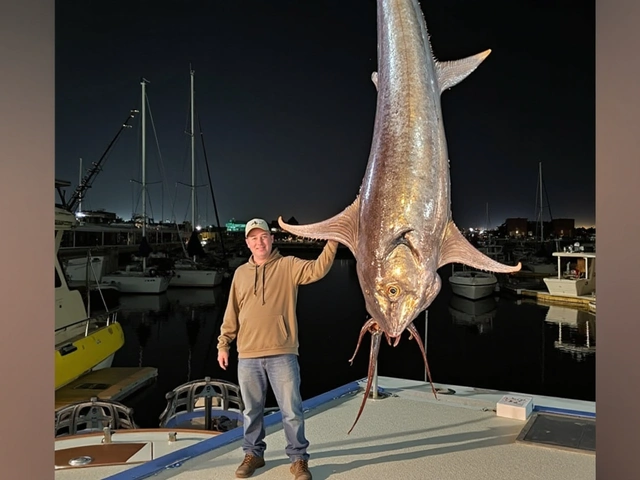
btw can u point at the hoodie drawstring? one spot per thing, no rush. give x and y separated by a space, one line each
264 272
255 281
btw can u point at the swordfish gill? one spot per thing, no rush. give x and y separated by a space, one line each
399 228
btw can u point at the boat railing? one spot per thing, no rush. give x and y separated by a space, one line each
202 397
94 415
100 320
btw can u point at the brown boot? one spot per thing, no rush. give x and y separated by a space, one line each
249 465
300 470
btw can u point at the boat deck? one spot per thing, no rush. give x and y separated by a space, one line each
407 435
114 383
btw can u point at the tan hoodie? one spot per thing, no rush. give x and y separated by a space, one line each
261 311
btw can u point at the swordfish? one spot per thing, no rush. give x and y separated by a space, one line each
400 228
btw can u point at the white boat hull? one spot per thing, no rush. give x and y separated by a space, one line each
76 269
580 280
570 288
134 282
196 278
473 285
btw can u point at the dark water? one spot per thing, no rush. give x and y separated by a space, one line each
506 345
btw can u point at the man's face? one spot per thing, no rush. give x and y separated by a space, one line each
260 243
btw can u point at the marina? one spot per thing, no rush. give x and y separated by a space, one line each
467 342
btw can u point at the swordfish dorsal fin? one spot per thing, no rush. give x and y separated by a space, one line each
457 249
342 228
453 72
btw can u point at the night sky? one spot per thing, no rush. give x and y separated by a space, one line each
284 95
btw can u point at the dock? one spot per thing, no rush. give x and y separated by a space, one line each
114 384
582 301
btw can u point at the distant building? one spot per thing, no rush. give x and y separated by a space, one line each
534 229
210 235
100 217
563 227
234 226
522 227
516 227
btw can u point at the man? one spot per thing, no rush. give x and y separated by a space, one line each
261 315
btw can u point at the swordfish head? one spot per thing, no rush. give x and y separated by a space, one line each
398 284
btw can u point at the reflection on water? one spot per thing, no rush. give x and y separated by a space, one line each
193 297
478 314
576 331
132 304
489 343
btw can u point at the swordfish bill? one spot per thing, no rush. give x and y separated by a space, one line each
400 228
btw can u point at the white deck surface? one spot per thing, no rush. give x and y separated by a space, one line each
408 436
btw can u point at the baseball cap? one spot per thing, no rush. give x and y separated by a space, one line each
256 223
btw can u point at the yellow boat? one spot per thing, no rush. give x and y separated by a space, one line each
88 352
83 342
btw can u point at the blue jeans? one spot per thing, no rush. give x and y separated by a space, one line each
283 374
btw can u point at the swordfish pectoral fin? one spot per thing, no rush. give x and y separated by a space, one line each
374 79
457 249
342 228
453 72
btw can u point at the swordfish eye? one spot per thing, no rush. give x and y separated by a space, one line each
393 291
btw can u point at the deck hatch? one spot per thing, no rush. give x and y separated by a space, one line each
560 431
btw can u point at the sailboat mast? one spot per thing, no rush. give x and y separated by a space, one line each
193 158
486 227
79 182
541 204
143 82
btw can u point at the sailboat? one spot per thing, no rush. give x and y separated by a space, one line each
188 272
140 278
532 262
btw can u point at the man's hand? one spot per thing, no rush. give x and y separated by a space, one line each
223 359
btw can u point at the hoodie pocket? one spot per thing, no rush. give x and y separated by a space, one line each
263 332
